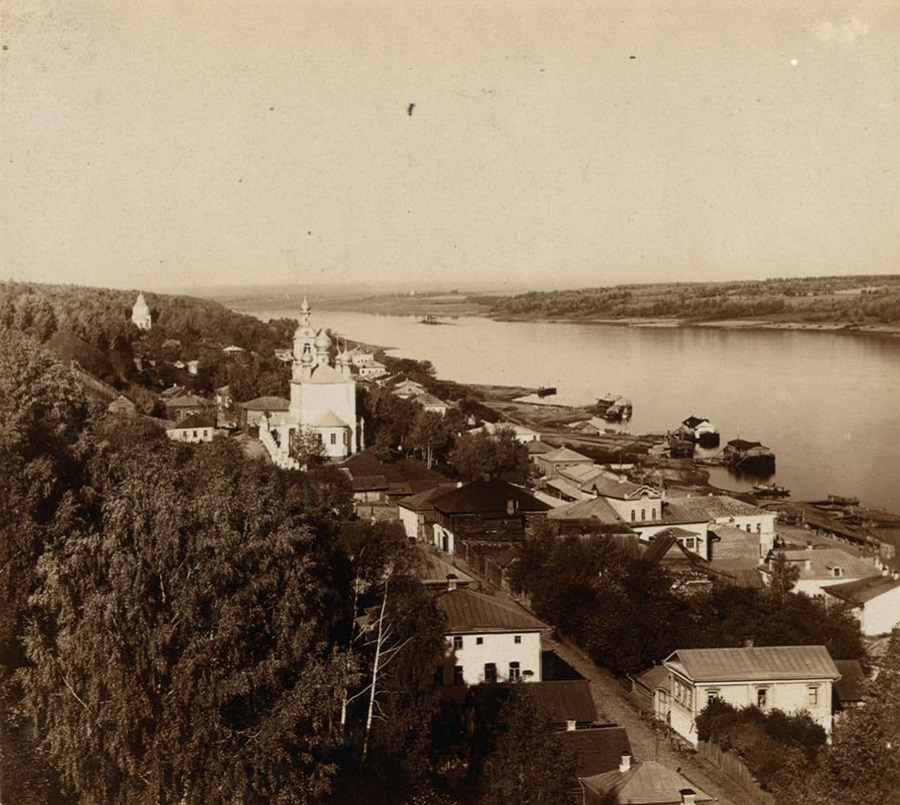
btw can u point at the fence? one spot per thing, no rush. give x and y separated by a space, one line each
104 390
734 767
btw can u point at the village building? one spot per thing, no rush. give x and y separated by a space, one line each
634 503
644 783
252 413
122 406
489 639
875 602
194 429
820 568
417 513
140 313
554 461
521 434
494 510
431 404
365 365
793 679
407 389
179 407
436 574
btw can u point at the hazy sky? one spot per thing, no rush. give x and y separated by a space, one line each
551 144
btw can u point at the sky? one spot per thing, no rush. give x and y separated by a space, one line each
396 144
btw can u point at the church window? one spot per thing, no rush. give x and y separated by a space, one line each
643 514
633 515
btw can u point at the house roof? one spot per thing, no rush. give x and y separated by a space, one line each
423 500
597 750
563 454
429 401
193 421
664 541
368 483
536 448
657 677
592 509
743 444
473 612
693 421
581 472
266 404
564 700
824 561
568 489
647 783
851 686
487 497
611 487
432 570
706 508
861 591
755 663
186 401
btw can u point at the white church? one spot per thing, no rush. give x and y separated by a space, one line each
140 313
323 398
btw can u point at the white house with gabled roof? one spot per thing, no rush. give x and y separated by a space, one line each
489 639
793 679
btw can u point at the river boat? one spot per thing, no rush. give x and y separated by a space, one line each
771 490
701 430
750 457
841 500
430 319
546 391
614 408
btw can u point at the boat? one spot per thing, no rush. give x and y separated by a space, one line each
679 446
750 457
701 430
771 490
546 391
841 500
430 319
614 408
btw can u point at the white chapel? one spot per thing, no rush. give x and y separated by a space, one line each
140 313
323 396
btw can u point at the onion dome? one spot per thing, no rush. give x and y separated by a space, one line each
322 342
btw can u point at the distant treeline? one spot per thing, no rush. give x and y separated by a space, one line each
844 299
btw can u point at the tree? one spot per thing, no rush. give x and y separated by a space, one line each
179 646
475 455
783 577
528 763
307 447
431 434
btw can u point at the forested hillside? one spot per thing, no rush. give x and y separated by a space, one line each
851 300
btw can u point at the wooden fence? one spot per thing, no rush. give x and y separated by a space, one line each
734 767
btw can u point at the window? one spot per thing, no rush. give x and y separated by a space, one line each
653 513
345 437
711 695
633 515
643 514
490 672
813 696
748 528
759 528
514 672
689 543
457 642
517 638
762 698
334 438
457 675
195 434
479 641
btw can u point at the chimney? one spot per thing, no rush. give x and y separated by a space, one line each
451 582
625 762
748 642
688 796
895 575
510 506
570 725
807 563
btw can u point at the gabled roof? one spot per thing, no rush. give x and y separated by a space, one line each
266 404
581 472
610 487
186 401
824 561
468 611
593 509
537 448
423 500
194 421
487 497
597 750
429 401
646 783
693 421
656 678
863 590
562 454
743 444
564 700
664 541
752 664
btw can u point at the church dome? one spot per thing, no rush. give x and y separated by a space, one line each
323 342
344 357
140 306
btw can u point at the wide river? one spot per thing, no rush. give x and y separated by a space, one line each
827 404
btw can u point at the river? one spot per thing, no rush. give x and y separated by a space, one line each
827 404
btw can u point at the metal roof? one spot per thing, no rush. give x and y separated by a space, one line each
593 509
468 611
657 677
752 664
432 570
266 404
646 783
862 590
596 750
709 507
564 700
484 497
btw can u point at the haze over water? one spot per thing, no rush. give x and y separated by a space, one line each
825 403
